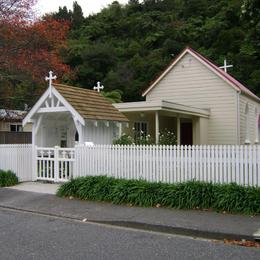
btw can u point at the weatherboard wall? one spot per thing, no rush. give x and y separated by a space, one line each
193 84
253 114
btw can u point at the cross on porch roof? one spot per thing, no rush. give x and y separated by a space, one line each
50 78
98 87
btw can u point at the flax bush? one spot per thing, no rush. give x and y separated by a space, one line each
189 195
7 178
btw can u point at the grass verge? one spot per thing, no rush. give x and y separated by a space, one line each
190 195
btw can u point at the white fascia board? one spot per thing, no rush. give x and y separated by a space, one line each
52 109
134 106
70 108
34 109
140 109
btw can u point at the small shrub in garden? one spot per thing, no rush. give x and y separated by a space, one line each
167 137
7 178
124 140
189 195
143 139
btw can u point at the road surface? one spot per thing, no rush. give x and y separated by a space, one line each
26 235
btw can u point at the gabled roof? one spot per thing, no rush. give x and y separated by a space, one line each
12 115
90 104
221 73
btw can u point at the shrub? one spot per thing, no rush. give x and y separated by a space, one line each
167 137
142 139
189 195
124 140
7 178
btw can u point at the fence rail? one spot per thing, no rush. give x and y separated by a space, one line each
172 164
17 158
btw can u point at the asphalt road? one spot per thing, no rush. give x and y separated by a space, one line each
31 236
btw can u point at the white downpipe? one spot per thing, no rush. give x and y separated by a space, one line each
157 127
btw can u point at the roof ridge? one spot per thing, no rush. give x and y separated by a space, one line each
80 88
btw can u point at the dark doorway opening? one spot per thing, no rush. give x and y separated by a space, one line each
186 133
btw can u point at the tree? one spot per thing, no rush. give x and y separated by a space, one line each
114 96
77 15
32 49
63 14
16 9
27 52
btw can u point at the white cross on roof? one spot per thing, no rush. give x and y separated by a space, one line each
50 78
225 67
98 87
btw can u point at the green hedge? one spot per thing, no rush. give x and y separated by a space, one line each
189 195
7 178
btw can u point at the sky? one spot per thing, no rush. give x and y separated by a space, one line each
88 6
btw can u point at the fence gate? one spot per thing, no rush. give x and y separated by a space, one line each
55 164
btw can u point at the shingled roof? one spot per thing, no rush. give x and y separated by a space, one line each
90 104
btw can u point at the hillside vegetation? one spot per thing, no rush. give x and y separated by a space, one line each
126 46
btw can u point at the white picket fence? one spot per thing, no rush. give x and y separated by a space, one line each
169 164
17 158
172 164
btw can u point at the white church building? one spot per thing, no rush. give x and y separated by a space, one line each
198 101
66 115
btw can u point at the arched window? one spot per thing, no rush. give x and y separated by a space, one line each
247 140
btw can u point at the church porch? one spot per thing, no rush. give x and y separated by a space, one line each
187 123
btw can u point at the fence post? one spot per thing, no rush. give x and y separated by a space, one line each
56 163
34 163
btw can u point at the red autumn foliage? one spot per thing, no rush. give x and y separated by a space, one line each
32 49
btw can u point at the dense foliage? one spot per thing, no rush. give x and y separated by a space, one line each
125 47
28 50
190 195
7 178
